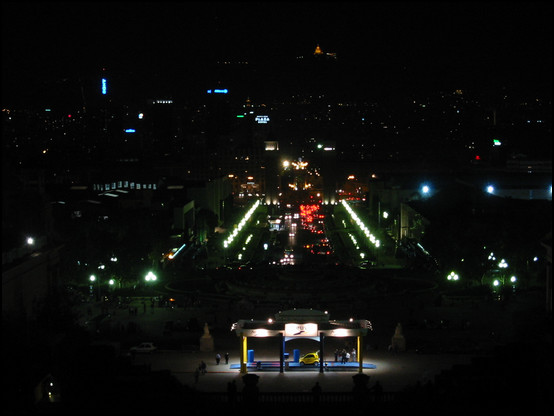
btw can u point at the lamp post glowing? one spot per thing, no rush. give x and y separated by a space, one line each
425 190
453 276
150 277
227 242
92 279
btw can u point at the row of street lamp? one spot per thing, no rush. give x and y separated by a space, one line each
502 264
363 228
241 224
150 277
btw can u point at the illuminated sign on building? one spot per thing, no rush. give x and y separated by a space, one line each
300 330
104 86
271 145
130 130
262 119
218 91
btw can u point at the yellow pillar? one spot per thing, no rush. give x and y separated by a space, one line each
243 354
360 354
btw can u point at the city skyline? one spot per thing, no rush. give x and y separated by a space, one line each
174 49
177 168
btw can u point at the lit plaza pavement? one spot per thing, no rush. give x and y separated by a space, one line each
394 371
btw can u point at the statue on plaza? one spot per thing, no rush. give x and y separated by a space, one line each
206 340
398 330
398 342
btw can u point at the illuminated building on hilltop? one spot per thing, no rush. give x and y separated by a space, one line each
319 53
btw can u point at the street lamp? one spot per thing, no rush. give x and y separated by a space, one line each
425 189
453 276
150 277
92 279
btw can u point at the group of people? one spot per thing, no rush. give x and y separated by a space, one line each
344 355
203 367
218 358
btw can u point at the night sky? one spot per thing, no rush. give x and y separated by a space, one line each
166 45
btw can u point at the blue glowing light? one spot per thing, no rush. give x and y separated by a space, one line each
218 91
130 131
104 86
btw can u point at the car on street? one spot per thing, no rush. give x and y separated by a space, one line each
144 348
311 358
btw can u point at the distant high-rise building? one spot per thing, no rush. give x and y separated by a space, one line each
218 123
272 158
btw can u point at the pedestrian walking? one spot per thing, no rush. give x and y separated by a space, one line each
353 355
203 367
226 358
217 358
347 356
336 354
